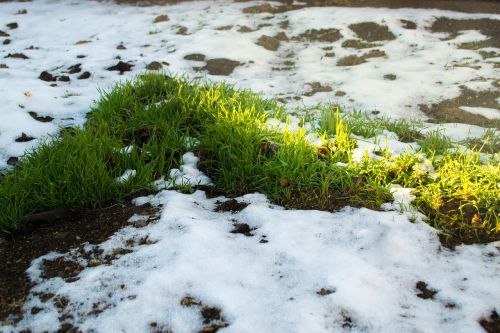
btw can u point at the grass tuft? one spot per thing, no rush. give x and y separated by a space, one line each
245 143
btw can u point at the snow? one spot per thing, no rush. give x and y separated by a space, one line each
485 112
369 260
423 62
267 282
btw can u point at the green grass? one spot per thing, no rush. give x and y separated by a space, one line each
242 152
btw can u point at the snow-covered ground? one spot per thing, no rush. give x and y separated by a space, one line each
261 269
356 270
419 67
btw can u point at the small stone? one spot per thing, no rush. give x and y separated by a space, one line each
121 47
46 76
154 66
161 18
22 12
12 25
3 66
6 41
84 76
390 77
3 34
141 224
63 78
325 291
284 182
188 301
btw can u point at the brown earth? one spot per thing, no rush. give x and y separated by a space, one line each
46 234
467 6
449 110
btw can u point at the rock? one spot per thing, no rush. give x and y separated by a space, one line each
3 66
121 47
63 78
3 34
284 182
12 25
325 291
154 66
84 76
161 18
390 77
46 76
6 41
141 224
340 93
22 12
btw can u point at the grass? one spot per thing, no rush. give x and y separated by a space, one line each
245 144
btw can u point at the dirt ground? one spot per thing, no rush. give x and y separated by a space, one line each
468 6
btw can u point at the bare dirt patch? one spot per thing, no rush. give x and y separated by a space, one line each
491 324
269 43
220 66
316 87
358 44
486 26
322 35
449 110
372 32
231 205
45 234
354 60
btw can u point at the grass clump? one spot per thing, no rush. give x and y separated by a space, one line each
246 144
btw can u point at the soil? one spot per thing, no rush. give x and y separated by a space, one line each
121 67
242 228
231 205
372 32
24 138
322 35
488 27
269 43
195 57
354 60
424 291
491 324
449 110
42 119
220 66
357 44
316 87
57 231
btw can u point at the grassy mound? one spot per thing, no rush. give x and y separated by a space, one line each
246 144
